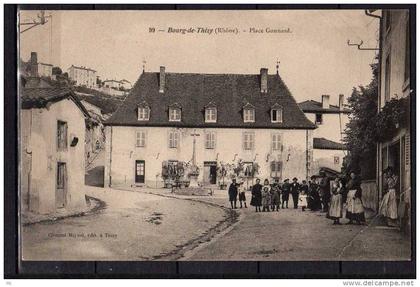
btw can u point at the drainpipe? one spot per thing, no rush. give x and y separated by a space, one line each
379 158
30 164
110 158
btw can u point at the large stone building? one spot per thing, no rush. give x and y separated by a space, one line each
82 76
395 84
231 117
331 121
52 133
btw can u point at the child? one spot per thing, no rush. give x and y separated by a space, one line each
266 196
242 197
275 197
303 195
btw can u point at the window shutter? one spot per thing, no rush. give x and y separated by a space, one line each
176 139
407 149
143 139
171 137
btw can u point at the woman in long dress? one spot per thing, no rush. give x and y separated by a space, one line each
355 209
266 195
336 206
388 206
256 196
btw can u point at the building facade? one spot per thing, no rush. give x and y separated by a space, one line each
395 84
223 118
330 120
52 130
82 76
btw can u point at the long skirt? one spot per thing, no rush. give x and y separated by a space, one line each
336 207
355 209
256 201
302 202
388 206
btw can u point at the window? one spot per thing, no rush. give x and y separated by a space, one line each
61 135
248 140
211 115
387 78
143 113
407 52
276 141
140 138
249 115
318 119
210 140
276 115
276 169
173 140
174 114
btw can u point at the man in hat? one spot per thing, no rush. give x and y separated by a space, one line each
233 193
285 193
294 189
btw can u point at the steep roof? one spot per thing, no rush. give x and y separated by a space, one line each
193 92
42 97
323 143
312 106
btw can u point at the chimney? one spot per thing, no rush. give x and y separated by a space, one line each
264 76
341 102
162 79
325 101
34 64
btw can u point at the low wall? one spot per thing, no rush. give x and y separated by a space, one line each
370 194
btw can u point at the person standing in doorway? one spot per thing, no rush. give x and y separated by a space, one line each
256 195
266 196
294 189
233 193
388 206
285 191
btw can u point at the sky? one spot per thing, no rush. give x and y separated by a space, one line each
314 57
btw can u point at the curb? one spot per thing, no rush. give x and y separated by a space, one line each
96 209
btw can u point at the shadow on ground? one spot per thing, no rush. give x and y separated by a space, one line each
95 176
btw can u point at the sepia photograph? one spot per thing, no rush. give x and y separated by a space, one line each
215 135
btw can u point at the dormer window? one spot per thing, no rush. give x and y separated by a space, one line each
249 113
143 113
211 115
174 114
276 113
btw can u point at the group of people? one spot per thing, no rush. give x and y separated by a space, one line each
339 199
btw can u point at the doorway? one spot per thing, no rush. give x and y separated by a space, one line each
140 171
210 172
394 160
61 185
